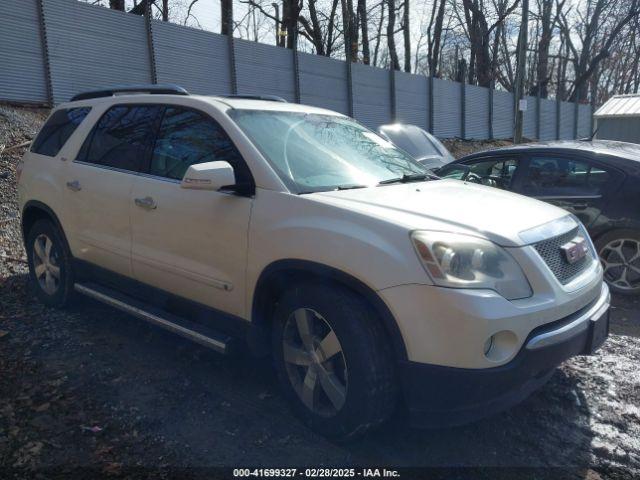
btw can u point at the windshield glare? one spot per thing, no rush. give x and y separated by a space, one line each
312 152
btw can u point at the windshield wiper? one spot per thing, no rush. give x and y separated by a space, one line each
349 187
414 177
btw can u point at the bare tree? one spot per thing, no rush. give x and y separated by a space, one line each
406 34
391 32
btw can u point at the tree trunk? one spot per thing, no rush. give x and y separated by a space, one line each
542 71
116 5
406 32
436 38
391 41
364 27
165 10
376 49
226 17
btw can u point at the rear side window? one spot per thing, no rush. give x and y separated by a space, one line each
55 133
187 137
564 176
121 138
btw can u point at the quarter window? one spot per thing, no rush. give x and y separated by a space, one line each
564 176
188 137
57 130
122 137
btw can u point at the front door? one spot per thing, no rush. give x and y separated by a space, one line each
499 171
192 243
99 182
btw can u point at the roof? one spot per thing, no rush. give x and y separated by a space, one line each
224 102
620 106
629 151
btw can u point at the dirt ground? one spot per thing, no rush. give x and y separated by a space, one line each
90 391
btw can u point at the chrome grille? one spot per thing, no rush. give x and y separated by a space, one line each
550 252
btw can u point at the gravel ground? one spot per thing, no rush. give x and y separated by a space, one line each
90 392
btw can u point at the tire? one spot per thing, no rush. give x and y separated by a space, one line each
349 392
619 252
50 269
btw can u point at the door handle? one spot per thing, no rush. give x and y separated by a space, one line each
146 202
74 186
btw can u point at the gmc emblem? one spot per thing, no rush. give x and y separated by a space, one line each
575 250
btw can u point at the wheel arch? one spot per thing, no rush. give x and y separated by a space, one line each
35 210
282 273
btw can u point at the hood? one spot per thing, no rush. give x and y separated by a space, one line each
450 206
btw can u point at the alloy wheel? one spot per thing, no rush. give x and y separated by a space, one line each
315 362
46 264
621 263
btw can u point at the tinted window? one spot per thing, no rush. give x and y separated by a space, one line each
57 130
454 171
122 137
564 176
494 173
188 137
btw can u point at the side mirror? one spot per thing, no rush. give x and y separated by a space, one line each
209 176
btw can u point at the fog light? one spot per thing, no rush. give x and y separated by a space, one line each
501 346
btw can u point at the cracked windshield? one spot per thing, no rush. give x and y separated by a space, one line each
314 152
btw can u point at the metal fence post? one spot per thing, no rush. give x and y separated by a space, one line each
463 102
558 116
296 66
538 114
576 112
430 100
150 44
233 74
45 52
392 95
349 85
492 86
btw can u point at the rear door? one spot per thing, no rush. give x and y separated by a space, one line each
99 182
192 243
576 183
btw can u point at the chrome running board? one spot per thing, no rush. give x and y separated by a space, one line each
202 335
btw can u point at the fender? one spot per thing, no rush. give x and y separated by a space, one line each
305 268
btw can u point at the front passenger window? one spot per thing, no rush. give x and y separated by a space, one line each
494 173
188 137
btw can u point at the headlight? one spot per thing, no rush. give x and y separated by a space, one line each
462 261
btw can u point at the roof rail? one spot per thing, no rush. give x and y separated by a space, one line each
165 89
269 98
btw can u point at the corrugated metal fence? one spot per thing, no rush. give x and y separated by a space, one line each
52 49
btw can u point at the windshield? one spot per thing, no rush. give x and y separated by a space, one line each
312 152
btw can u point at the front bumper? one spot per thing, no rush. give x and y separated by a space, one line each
438 395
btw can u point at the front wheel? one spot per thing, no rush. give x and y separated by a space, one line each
333 361
49 261
619 253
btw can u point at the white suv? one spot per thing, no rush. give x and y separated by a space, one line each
301 234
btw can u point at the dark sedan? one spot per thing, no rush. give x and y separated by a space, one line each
598 181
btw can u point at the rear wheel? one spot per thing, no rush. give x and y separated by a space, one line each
333 362
619 253
50 268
